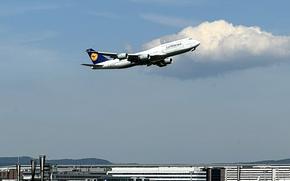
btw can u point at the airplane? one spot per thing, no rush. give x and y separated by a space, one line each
159 56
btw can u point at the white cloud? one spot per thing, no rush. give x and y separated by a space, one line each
223 40
227 47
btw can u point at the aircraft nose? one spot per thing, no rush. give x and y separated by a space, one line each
197 43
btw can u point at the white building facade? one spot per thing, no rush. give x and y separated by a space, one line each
257 173
159 173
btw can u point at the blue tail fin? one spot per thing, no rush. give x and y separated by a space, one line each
95 56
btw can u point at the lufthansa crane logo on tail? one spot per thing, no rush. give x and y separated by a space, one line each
94 57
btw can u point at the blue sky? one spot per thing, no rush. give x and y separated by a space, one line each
189 112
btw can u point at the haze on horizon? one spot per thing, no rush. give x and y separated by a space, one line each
226 102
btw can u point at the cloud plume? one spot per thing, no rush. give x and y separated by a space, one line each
224 48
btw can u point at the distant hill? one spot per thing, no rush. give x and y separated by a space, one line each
282 161
4 161
25 160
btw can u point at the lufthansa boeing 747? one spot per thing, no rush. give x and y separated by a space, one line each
160 55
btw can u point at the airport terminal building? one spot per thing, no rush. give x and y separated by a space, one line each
138 172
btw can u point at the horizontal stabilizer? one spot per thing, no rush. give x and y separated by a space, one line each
89 65
93 66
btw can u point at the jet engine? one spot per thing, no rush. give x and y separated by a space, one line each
168 61
122 56
144 57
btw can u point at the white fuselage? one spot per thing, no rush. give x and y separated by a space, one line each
165 50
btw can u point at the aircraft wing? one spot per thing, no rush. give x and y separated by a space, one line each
109 54
151 58
130 57
133 57
154 58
